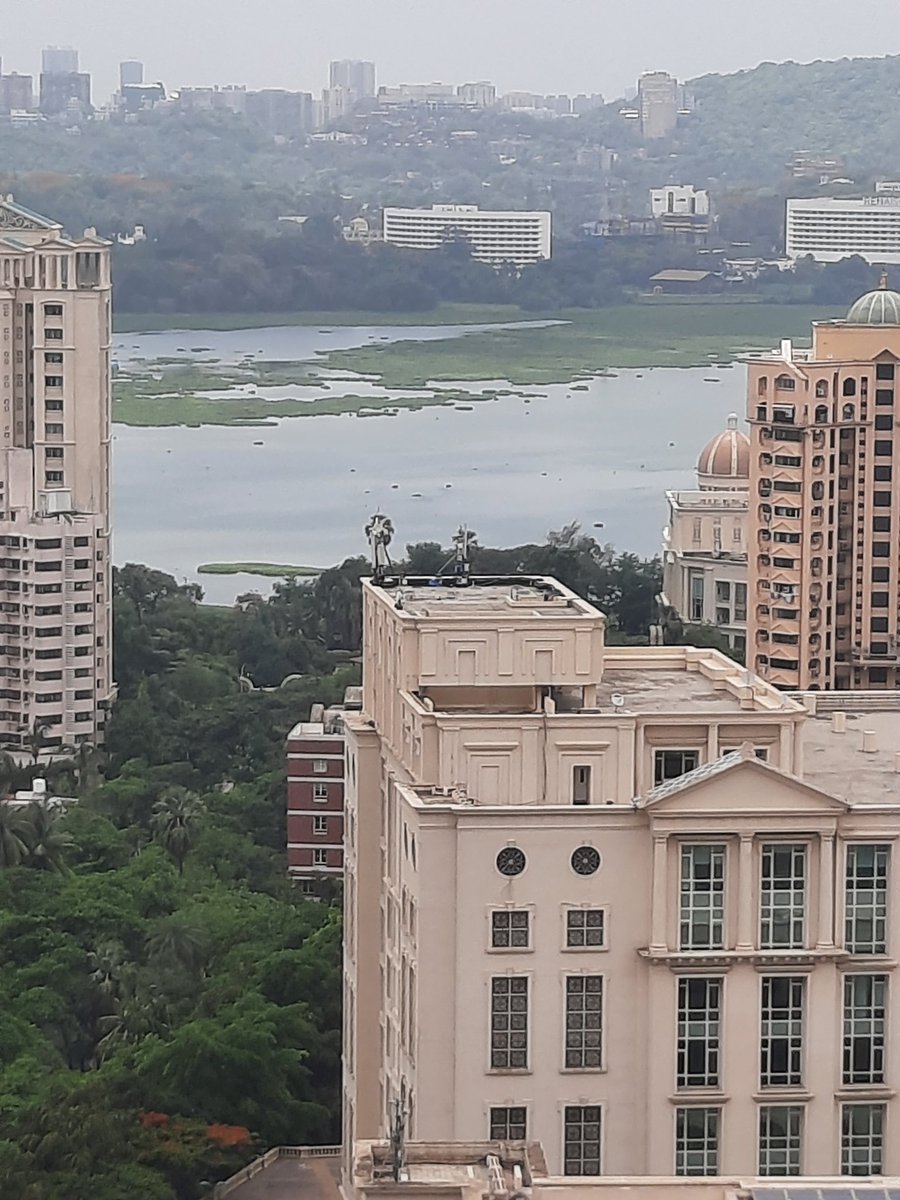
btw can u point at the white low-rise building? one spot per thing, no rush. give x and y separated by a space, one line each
494 237
679 200
830 229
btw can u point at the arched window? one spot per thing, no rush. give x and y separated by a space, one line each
821 413
849 412
849 387
784 383
818 490
821 388
763 386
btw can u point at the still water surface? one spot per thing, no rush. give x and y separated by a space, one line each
509 469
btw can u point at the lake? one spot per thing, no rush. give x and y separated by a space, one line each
511 469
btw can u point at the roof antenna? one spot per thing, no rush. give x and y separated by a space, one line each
459 560
883 281
379 531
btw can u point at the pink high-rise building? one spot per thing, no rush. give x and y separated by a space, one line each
55 587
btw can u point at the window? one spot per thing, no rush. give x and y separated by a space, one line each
320 824
865 897
508 1124
864 1019
702 897
581 785
780 1134
699 1010
53 310
585 929
510 929
697 1141
320 766
53 430
670 764
784 383
862 1139
54 452
320 857
696 595
53 358
584 1022
53 381
509 1023
884 447
884 370
53 335
54 476
53 405
884 421
581 1139
320 791
781 1031
782 896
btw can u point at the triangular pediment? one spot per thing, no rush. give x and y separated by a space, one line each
740 784
15 218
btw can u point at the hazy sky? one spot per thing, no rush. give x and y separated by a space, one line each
534 45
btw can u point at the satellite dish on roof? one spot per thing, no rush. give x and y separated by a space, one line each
618 700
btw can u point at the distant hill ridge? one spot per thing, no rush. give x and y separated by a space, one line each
748 125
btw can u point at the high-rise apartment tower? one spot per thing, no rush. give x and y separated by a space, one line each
55 592
357 77
823 545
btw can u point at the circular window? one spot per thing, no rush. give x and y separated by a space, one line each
585 860
511 861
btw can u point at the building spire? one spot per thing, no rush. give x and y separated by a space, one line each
884 281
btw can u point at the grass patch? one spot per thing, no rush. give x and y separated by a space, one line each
444 314
279 570
589 343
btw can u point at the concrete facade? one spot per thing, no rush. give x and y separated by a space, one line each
829 228
630 902
315 793
494 237
824 556
55 565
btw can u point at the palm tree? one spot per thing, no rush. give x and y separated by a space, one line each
8 773
13 832
179 943
176 816
45 837
36 740
138 1011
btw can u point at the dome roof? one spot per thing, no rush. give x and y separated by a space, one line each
881 307
727 456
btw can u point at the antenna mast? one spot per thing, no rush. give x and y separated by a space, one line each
459 561
380 531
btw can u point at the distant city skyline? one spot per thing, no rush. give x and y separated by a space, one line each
596 46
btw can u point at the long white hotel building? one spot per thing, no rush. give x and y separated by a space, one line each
632 902
494 237
55 587
829 229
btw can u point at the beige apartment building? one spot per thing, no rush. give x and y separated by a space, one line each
824 558
705 542
55 587
633 903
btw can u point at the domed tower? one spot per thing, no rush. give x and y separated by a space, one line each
724 462
881 307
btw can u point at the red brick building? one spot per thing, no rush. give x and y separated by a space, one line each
315 793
